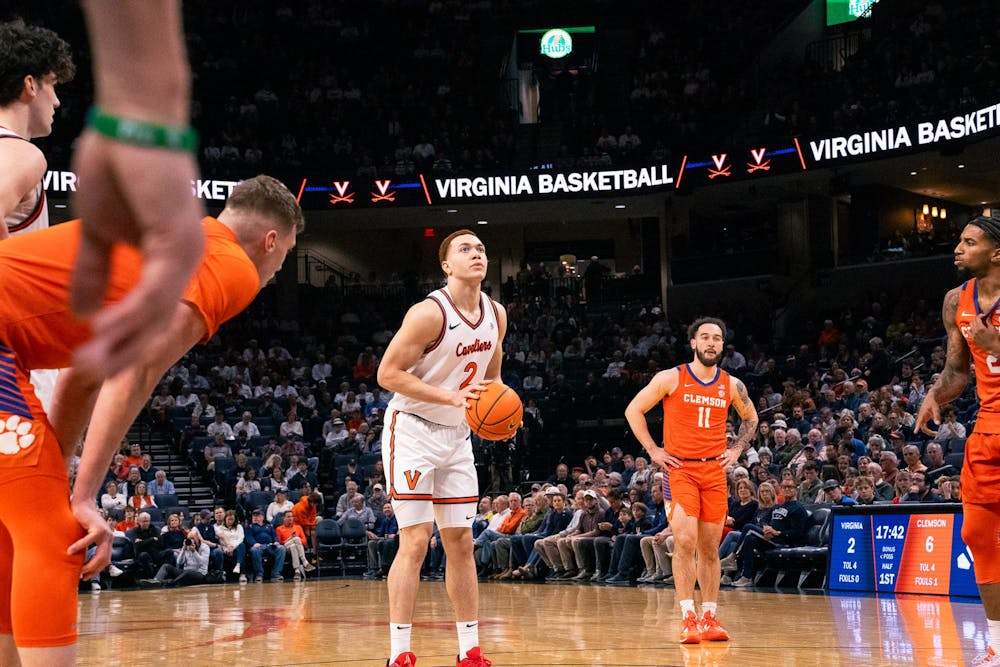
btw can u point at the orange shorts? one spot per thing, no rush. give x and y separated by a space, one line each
981 469
38 580
699 487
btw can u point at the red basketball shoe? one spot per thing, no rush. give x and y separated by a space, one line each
406 659
711 630
473 658
690 632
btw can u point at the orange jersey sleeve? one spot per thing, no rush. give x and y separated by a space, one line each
987 366
694 415
225 283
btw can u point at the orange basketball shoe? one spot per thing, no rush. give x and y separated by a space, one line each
473 658
406 659
690 631
711 630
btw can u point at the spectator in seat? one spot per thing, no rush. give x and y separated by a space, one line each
126 523
141 498
302 477
864 489
625 547
811 483
344 502
376 497
149 551
903 485
292 426
246 485
833 494
305 512
585 529
658 553
233 542
264 541
280 504
524 557
889 463
360 511
785 526
883 490
112 499
276 479
911 455
218 449
172 534
247 424
161 485
191 567
950 426
203 524
159 406
920 490
134 458
483 544
534 514
146 470
935 456
383 543
131 481
561 476
220 426
293 539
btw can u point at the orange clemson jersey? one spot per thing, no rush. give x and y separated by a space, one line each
987 366
694 415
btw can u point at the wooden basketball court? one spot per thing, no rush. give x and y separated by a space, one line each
342 622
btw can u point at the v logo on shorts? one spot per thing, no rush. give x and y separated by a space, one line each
412 477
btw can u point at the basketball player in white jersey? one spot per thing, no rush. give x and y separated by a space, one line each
33 61
446 351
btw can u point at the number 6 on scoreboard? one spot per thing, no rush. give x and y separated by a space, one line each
929 544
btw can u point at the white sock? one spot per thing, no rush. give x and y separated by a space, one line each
687 606
468 636
399 638
708 607
994 633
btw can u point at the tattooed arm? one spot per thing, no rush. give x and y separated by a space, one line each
748 424
955 375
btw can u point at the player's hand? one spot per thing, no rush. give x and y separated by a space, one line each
984 334
731 457
98 533
663 458
141 196
462 397
929 409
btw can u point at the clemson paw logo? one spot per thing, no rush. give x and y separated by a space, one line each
15 435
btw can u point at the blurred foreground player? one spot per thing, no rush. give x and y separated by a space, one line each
696 399
447 348
971 319
33 61
40 561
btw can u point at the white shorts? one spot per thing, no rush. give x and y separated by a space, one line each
430 471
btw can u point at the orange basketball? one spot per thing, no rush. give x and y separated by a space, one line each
496 414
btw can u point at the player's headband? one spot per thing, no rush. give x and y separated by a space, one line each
989 225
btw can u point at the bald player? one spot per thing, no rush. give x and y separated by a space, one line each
972 321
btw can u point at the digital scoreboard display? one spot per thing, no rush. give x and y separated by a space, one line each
845 11
909 548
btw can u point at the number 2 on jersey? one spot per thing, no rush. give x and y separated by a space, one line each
703 416
471 369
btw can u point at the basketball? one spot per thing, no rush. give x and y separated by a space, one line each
496 414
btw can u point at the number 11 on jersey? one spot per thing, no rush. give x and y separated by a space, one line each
703 416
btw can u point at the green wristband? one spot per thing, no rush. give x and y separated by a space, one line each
140 133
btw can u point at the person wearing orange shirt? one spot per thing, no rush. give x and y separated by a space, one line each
248 243
304 514
127 522
695 455
293 538
972 322
134 457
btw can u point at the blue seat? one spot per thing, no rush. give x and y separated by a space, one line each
329 542
166 500
355 548
261 499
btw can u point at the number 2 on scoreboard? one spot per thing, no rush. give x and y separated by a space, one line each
471 369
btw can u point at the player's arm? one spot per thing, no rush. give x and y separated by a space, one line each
748 421
72 404
955 375
23 166
662 384
120 400
421 327
493 370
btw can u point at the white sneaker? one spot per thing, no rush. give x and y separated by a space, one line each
728 564
743 582
243 578
115 571
96 587
987 659
236 570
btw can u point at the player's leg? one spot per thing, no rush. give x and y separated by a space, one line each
456 493
982 542
8 650
47 639
714 507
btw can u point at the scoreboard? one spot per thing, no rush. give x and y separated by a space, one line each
906 548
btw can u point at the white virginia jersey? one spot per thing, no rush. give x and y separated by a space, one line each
457 358
32 213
